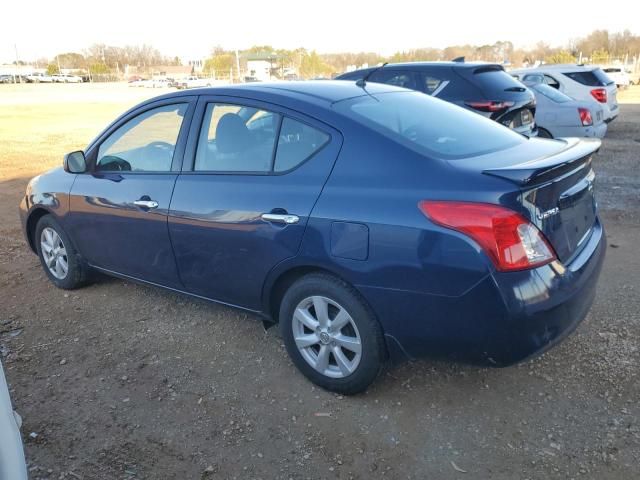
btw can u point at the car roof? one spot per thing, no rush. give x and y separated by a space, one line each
443 64
434 64
559 66
313 91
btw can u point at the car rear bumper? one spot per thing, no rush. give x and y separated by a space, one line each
503 319
593 131
12 464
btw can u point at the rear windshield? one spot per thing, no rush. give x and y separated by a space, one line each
494 80
592 78
550 92
429 126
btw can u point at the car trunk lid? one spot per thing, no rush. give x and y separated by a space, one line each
555 188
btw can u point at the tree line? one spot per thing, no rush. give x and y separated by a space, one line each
600 46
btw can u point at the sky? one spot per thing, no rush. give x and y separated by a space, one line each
186 29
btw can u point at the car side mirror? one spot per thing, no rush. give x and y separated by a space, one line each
75 162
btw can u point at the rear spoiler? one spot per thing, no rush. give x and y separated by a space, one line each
577 154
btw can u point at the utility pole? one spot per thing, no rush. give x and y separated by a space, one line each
238 64
15 75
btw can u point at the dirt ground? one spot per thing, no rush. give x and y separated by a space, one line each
121 381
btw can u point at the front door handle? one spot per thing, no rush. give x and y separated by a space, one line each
285 218
146 204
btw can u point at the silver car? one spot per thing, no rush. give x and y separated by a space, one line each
12 465
558 115
581 82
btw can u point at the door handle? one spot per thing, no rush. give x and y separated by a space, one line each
146 203
285 218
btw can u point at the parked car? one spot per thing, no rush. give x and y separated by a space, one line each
619 75
578 82
6 79
483 88
194 82
138 82
39 78
66 78
157 83
558 115
368 222
12 464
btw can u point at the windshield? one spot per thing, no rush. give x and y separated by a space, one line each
429 126
550 92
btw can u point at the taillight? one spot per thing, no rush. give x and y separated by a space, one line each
600 94
509 239
489 106
585 117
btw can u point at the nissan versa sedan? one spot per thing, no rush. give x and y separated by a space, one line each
370 222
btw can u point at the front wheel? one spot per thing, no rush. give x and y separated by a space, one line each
331 335
58 257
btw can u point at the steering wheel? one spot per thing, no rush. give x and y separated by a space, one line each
111 163
160 144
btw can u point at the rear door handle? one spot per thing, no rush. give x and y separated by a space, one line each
285 218
146 203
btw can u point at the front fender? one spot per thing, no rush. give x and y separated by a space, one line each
46 193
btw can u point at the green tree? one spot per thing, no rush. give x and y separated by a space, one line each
98 69
219 64
70 60
561 56
600 56
52 69
312 66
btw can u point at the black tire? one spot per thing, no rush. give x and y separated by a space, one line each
77 270
373 350
544 133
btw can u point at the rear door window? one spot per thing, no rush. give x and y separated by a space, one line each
234 138
243 139
552 82
398 78
296 143
435 81
533 78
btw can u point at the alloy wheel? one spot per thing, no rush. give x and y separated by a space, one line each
327 337
54 253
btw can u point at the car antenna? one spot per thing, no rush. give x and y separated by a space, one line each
363 81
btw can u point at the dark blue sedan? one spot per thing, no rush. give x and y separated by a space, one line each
369 221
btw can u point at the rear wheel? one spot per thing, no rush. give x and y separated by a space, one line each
331 334
58 257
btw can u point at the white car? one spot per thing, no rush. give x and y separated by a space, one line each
618 75
66 78
12 464
40 78
577 81
194 82
157 83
